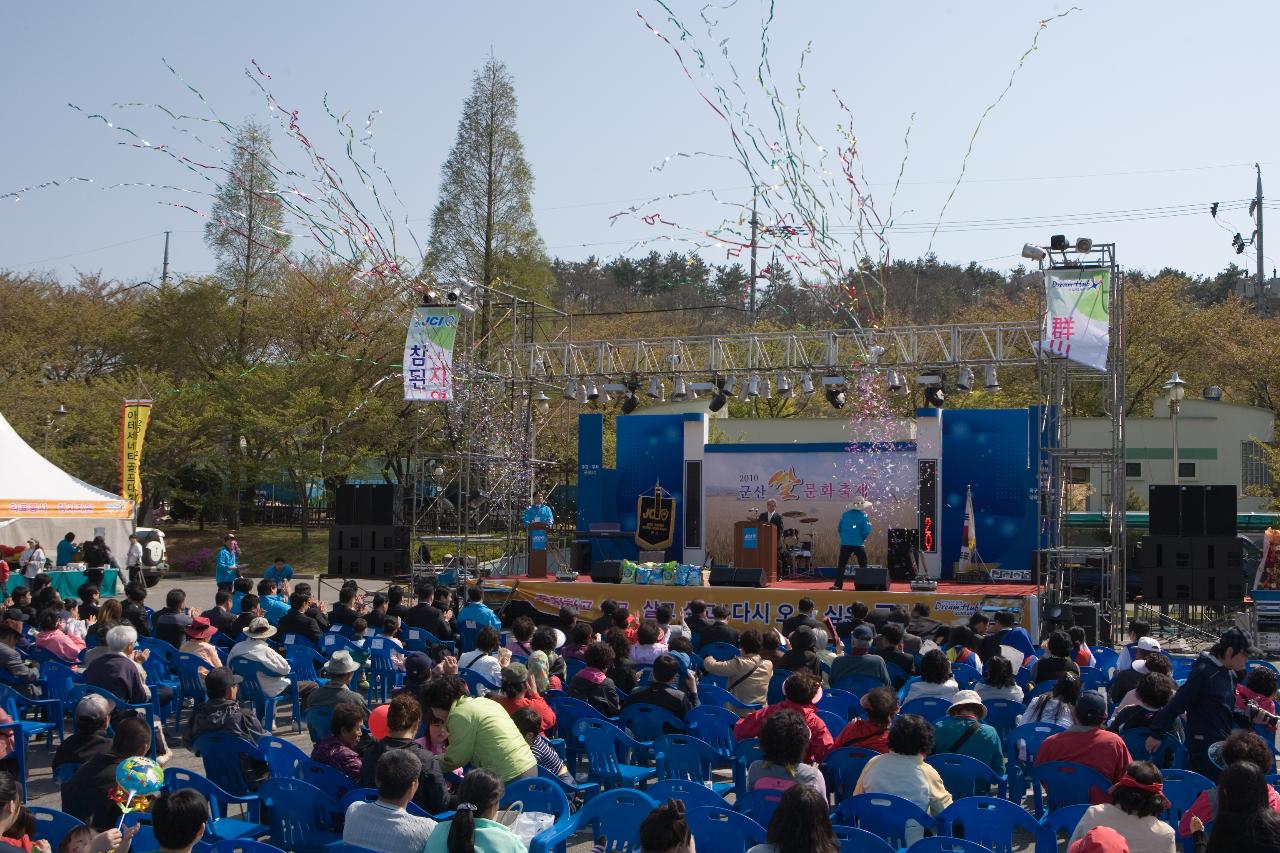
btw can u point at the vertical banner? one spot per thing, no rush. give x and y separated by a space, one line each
134 417
1077 324
428 354
655 520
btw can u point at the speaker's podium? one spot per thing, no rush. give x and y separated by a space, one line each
537 541
755 546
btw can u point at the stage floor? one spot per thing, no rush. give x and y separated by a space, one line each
824 585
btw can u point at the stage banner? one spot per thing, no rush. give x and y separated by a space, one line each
763 608
134 417
812 483
428 354
1077 324
655 520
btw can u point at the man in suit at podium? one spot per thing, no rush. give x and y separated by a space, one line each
772 516
538 511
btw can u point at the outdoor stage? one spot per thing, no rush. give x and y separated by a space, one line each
951 603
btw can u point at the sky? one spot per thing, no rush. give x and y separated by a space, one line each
1124 125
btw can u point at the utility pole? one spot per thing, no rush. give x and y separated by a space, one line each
1257 244
751 308
164 270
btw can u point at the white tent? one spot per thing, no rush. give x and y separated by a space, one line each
38 500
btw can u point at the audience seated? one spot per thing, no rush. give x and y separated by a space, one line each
1153 692
220 615
178 819
962 647
250 609
519 691
548 668
1056 661
719 631
86 796
345 611
903 772
647 648
477 612
998 681
1007 633
1240 745
1260 688
1137 801
964 733
530 726
803 653
1138 628
338 671
747 676
521 635
222 711
1245 822
859 660
579 635
784 739
935 678
881 705
172 620
481 733
384 825
1056 706
662 691
668 629
473 826
198 634
296 621
621 672
134 609
801 691
21 673
483 659
338 749
800 824
254 647
592 683
666 830
89 738
1087 742
54 640
891 640
403 718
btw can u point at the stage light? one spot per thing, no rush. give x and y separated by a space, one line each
836 397
896 385
593 393
655 388
874 353
629 404
720 398
929 379
1084 245
466 308
743 396
753 386
784 386
992 382
730 385
1058 242
1032 253
581 396
542 401
964 380
934 397
806 383
767 391
678 389
571 389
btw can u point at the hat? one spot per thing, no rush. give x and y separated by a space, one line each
1139 666
200 628
417 665
1235 638
863 635
970 698
1091 708
1100 839
220 680
260 629
93 707
515 674
1148 644
341 662
16 614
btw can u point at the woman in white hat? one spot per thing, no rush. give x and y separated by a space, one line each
963 732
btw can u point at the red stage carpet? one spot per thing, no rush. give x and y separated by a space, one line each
944 587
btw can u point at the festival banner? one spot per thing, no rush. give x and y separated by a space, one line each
812 485
428 354
655 520
1077 322
763 608
134 417
38 508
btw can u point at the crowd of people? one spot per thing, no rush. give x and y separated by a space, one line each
413 748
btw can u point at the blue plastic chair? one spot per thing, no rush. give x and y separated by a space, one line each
537 795
1002 715
680 756
858 685
319 722
52 825
721 828
714 725
1181 789
603 742
160 673
1031 735
220 752
191 674
568 712
615 815
693 794
1062 823
265 705
835 723
284 759
991 822
571 787
293 641
1036 690
1171 754
884 815
477 684
1106 659
897 676
328 779
1092 678
220 827
744 753
299 815
719 651
15 704
368 795
60 682
759 805
62 775
573 666
646 723
1065 783
303 659
965 675
854 840
963 774
942 844
383 674
332 641
842 703
775 685
906 688
715 696
930 707
244 845
842 767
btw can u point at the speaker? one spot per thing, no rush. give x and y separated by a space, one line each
386 538
1085 614
580 556
1220 510
347 537
901 542
730 576
1191 508
352 505
607 571
1163 511
871 579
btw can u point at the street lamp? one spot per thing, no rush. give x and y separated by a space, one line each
1177 391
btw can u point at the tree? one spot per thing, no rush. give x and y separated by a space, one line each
246 232
482 227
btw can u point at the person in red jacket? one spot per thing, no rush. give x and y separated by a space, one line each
881 705
1087 742
802 691
520 691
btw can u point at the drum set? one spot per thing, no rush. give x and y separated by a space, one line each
797 547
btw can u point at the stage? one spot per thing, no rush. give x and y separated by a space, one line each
950 604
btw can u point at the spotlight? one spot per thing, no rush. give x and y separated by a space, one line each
933 396
930 378
874 353
655 391
571 389
992 382
896 384
1032 253
430 297
806 383
730 385
753 386
593 393
542 401
767 390
836 397
964 380
629 404
784 386
466 308
1058 242
718 401
743 395
581 396
1084 245
678 389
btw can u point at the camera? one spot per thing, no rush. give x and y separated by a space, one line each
1256 712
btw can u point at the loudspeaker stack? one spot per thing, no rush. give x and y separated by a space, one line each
1192 555
369 537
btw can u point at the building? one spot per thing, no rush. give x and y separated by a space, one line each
1217 445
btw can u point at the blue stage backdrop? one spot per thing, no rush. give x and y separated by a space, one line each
994 451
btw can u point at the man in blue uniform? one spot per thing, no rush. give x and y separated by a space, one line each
538 511
854 530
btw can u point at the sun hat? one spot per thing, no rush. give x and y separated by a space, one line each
260 629
340 663
200 629
1100 839
968 698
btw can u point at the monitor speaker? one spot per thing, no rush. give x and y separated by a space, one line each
607 571
580 556
871 579
731 576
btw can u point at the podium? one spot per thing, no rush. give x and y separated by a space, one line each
537 540
755 546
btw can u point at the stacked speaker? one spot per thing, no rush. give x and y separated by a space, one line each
1193 555
369 537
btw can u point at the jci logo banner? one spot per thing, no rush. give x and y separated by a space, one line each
428 354
655 520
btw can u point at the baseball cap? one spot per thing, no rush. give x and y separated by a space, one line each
93 707
1235 638
1091 708
516 673
15 614
863 635
219 680
1148 644
1100 839
417 664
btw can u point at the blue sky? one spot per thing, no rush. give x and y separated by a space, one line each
1153 107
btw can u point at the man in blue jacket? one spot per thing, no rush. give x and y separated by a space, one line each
538 511
228 571
1208 698
854 530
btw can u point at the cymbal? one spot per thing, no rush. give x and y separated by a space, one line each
809 520
795 513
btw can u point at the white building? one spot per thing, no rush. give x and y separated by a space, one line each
1216 446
